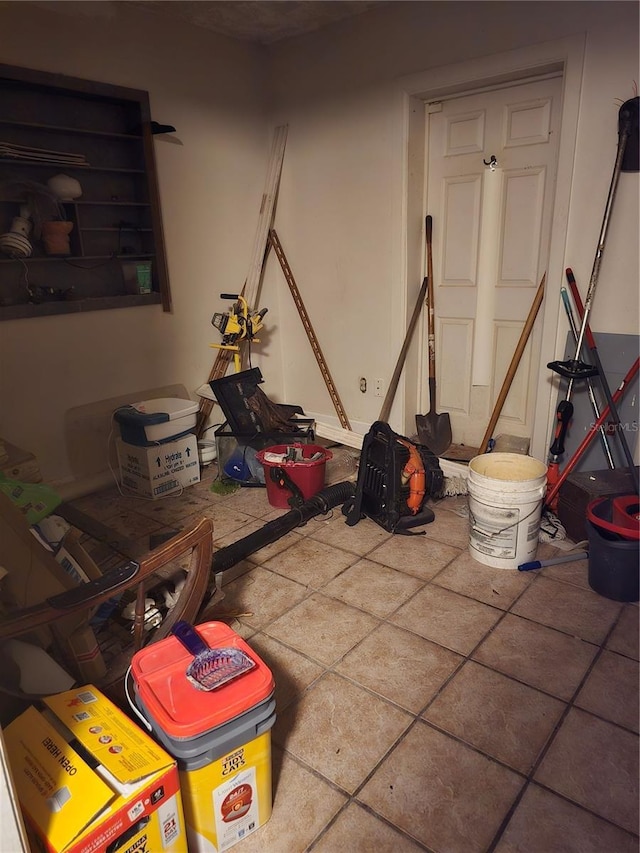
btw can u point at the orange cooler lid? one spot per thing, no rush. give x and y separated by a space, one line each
179 708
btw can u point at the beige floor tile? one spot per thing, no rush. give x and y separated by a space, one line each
498 587
311 563
595 764
624 637
322 628
448 527
611 691
499 716
445 617
252 501
373 587
358 831
264 594
231 536
340 730
399 665
539 656
575 573
102 505
441 792
545 823
292 671
171 509
359 539
415 555
303 804
244 630
226 520
581 613
264 554
308 592
132 525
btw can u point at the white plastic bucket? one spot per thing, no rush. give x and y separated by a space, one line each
505 504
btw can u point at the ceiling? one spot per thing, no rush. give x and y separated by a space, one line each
260 21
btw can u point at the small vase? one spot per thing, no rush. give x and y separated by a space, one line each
55 236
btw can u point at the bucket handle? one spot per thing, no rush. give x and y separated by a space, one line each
135 710
491 533
284 481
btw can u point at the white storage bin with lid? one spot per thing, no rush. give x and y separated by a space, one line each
156 421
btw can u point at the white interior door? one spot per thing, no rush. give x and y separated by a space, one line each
491 169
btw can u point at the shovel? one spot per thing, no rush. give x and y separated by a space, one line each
434 430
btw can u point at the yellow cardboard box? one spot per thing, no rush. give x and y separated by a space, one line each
90 781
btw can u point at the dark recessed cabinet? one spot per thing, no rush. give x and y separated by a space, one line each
80 220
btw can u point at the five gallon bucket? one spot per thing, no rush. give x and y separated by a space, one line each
506 491
614 547
221 738
303 465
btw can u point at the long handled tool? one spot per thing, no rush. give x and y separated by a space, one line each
393 384
593 349
574 369
256 266
515 361
552 494
274 241
434 430
574 331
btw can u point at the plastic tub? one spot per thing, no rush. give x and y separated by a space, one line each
617 515
614 557
156 421
307 474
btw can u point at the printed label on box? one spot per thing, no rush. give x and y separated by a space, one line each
161 469
236 808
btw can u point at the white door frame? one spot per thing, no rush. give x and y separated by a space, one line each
564 55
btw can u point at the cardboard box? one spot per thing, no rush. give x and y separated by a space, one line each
160 470
90 781
582 487
19 464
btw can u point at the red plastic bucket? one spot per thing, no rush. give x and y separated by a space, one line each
307 473
617 516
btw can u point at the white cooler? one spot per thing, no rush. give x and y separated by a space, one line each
156 421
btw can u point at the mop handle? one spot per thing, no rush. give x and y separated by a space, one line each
574 331
571 279
622 144
571 464
605 385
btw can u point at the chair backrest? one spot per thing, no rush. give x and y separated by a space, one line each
46 600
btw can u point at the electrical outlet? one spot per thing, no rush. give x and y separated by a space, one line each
378 387
363 384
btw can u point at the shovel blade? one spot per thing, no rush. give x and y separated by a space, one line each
434 431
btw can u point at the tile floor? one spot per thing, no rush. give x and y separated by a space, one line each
425 701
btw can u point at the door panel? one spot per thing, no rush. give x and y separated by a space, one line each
491 230
457 336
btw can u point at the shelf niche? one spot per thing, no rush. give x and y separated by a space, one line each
100 135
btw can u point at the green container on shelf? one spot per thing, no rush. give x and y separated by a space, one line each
137 276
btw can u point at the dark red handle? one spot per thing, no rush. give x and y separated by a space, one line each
579 306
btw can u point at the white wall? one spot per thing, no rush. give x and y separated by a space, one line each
338 209
210 88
